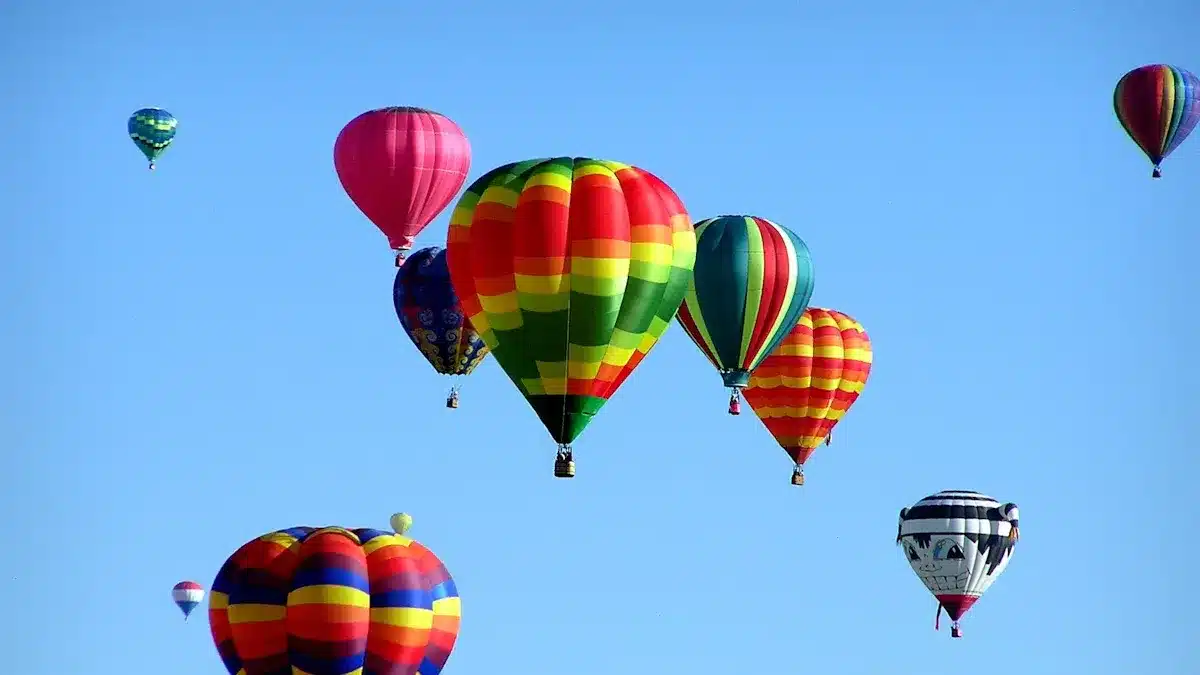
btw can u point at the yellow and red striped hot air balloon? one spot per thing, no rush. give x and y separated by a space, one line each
807 384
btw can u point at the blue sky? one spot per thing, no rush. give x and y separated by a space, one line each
209 352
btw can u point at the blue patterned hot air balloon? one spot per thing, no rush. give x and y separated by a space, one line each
433 318
152 130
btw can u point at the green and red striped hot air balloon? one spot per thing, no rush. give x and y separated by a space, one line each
751 282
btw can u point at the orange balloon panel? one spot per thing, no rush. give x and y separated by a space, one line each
805 386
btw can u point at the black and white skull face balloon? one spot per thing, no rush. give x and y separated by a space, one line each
958 542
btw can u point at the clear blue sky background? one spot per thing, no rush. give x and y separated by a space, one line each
200 355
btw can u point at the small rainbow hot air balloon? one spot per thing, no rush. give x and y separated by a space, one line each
752 280
334 600
402 166
802 390
187 594
152 131
1158 106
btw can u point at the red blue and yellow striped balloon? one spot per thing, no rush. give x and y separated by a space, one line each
333 601
752 280
1158 106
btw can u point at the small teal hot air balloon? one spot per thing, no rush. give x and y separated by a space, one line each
152 130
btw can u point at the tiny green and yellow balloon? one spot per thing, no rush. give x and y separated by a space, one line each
152 130
401 522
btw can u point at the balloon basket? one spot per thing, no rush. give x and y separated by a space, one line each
955 631
564 467
797 477
1157 173
452 401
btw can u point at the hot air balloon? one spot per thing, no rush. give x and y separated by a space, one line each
152 130
401 167
433 318
401 522
753 278
1159 106
958 542
807 384
570 269
333 600
187 594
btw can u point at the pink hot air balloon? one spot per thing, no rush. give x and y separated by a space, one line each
402 167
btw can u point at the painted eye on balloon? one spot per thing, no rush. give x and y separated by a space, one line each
912 554
947 549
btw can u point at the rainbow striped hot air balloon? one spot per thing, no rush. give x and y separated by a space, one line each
802 390
1158 106
187 595
571 270
333 601
752 280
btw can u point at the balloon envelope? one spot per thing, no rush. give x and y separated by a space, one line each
958 542
1159 106
333 600
570 269
804 388
752 280
401 166
433 317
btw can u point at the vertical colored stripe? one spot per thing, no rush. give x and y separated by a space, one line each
772 292
1166 83
721 282
329 605
784 313
756 262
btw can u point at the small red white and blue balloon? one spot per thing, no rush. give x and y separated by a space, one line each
187 595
